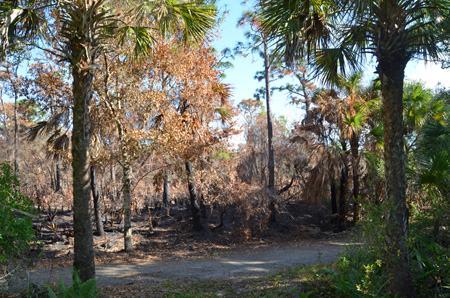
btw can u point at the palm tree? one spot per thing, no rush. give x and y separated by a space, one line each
394 32
419 108
433 167
356 113
88 26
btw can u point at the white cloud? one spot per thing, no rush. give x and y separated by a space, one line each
430 73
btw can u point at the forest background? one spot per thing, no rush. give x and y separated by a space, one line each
144 114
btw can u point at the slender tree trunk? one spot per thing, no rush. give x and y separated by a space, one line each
354 144
58 176
83 240
5 112
126 168
16 129
334 209
166 192
343 198
196 212
127 231
397 261
113 174
307 98
13 72
96 199
113 188
271 165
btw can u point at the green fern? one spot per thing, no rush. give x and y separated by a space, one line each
78 289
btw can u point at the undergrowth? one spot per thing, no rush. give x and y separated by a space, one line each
361 272
297 281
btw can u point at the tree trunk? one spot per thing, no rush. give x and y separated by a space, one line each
196 212
166 192
354 144
334 209
112 187
83 240
271 164
16 129
127 231
307 98
96 198
343 198
397 261
58 176
126 168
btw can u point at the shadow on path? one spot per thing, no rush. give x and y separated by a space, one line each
254 263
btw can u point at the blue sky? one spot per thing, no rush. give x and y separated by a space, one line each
241 75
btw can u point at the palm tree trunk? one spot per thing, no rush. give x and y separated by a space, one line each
96 197
354 144
343 198
397 260
196 212
83 240
334 209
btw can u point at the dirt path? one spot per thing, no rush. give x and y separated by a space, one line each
230 264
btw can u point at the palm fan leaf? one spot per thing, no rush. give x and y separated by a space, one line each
331 62
35 130
141 37
297 26
19 22
378 134
225 114
197 18
58 144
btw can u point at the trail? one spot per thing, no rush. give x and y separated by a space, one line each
230 264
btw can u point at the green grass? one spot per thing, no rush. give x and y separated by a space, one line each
298 281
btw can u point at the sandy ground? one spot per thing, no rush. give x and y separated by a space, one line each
235 263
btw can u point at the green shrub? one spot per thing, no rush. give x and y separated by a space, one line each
16 228
78 289
361 272
359 276
430 261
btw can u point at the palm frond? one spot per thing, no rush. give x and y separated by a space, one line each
35 130
436 169
163 17
298 28
141 37
331 63
378 134
225 114
58 144
198 19
19 22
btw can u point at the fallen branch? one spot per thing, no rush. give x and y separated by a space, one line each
21 212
